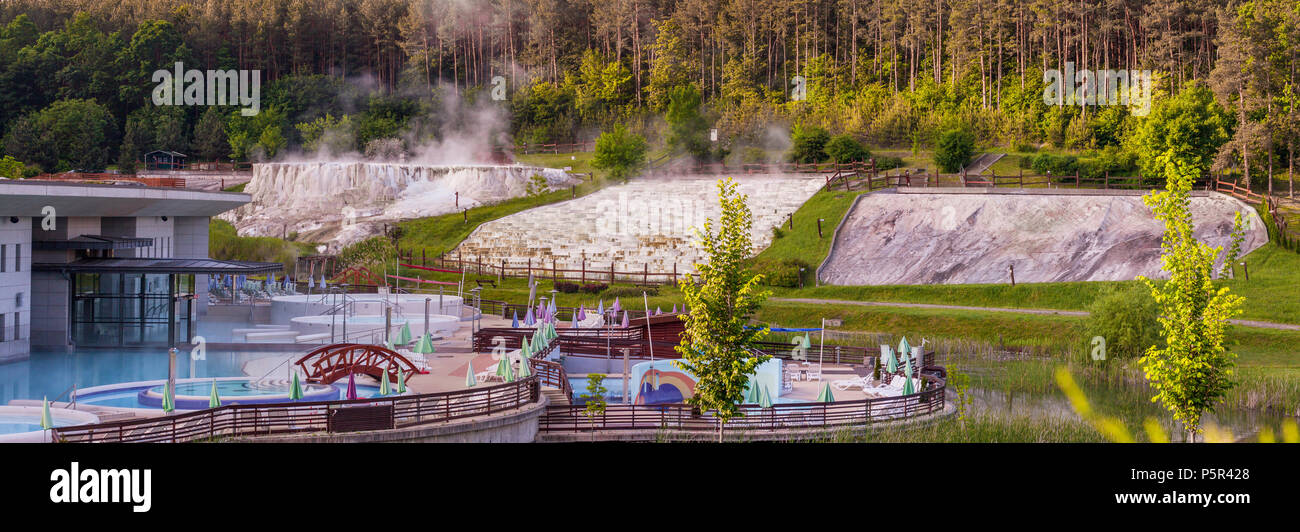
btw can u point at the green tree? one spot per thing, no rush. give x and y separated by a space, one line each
1192 371
335 136
808 145
846 149
716 345
1126 320
595 399
953 149
1190 125
668 68
210 141
619 152
688 131
67 135
11 168
271 140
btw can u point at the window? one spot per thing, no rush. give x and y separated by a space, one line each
2 327
18 257
3 247
17 328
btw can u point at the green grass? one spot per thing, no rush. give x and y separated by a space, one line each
802 242
235 188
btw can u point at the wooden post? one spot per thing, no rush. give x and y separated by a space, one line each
555 276
584 269
530 268
611 272
819 227
502 272
457 199
1076 178
674 273
1012 268
1245 270
792 221
465 214
1106 184
573 191
480 265
1022 178
645 277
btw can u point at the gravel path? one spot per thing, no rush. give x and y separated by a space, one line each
1244 323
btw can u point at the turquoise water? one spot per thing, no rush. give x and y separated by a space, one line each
51 374
613 389
241 388
10 424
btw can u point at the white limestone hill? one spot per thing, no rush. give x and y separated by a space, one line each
965 236
645 223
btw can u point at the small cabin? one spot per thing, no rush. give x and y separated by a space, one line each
164 160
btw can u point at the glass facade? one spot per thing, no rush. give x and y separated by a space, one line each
132 309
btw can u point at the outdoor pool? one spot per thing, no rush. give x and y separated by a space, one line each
194 394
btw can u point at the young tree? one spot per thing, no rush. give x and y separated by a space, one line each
688 131
619 152
1192 372
210 135
953 149
595 399
715 347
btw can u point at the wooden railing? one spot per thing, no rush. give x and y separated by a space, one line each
862 176
683 417
582 272
165 182
554 147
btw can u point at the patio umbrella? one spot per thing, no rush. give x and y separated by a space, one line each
167 404
905 349
658 312
524 349
552 308
404 335
908 389
425 345
600 308
524 371
295 389
617 307
401 381
352 387
514 323
626 322
674 308
582 314
805 342
470 381
214 400
765 399
826 396
510 370
751 392
503 365
891 362
383 384
47 421
529 319
311 283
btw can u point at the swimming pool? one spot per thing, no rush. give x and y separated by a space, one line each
52 374
23 423
193 394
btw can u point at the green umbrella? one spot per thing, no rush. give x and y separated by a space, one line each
47 421
295 389
404 335
502 365
826 396
510 370
167 405
425 345
470 381
524 371
907 374
751 392
805 342
524 349
904 348
214 400
765 399
891 361
383 384
401 381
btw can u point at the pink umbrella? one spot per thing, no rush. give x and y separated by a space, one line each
352 387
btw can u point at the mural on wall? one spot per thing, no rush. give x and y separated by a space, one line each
663 386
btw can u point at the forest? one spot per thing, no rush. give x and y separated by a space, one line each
383 77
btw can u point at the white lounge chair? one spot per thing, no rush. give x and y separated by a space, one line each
855 382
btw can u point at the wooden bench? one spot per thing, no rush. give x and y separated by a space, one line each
490 282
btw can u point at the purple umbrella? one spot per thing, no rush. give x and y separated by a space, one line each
625 320
352 387
617 307
674 308
658 312
582 313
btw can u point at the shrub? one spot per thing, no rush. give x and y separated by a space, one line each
809 145
619 152
594 288
631 291
567 287
953 149
1126 318
846 149
1024 147
888 162
782 272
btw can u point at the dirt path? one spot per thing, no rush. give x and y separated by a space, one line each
1039 311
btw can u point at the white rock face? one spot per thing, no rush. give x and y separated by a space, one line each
345 202
973 238
646 223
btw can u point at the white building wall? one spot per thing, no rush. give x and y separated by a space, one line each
191 233
15 288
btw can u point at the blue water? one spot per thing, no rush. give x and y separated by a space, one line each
50 374
130 397
613 389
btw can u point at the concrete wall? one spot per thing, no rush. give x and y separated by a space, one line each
191 234
15 288
50 307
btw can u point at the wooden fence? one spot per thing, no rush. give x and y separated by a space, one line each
101 178
583 273
556 148
863 176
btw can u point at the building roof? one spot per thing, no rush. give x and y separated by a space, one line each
28 198
93 242
144 265
167 152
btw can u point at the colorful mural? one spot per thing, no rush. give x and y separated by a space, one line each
660 385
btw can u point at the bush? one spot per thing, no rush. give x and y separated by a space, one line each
809 145
1126 318
565 287
594 288
888 162
782 272
619 152
1058 165
846 149
631 291
954 149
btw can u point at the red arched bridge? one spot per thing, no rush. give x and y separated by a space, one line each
330 363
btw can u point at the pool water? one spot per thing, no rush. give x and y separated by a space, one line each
613 389
10 424
228 390
51 374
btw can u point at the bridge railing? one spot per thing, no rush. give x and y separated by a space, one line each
318 416
683 417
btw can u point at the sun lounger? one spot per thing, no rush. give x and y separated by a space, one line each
855 382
